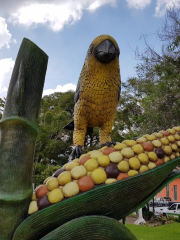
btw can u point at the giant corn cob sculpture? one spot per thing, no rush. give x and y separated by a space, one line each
83 199
112 181
107 165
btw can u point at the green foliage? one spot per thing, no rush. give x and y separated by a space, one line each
55 112
39 168
129 115
53 142
151 101
177 219
171 217
43 171
55 148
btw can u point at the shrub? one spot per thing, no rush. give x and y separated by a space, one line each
177 219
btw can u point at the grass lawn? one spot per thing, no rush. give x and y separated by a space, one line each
164 232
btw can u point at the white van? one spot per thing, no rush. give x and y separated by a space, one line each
173 210
159 207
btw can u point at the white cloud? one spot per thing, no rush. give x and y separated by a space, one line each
162 5
6 67
9 6
5 36
138 4
55 14
59 88
94 6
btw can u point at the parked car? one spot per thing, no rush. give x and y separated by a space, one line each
174 210
160 206
165 199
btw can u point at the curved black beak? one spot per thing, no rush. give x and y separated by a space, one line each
105 51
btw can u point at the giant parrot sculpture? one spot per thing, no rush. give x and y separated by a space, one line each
97 93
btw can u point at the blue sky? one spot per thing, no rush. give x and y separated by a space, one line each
64 29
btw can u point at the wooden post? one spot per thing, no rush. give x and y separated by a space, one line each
124 221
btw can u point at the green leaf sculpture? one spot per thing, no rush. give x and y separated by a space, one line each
91 227
18 131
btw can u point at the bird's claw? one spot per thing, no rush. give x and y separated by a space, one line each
108 144
76 153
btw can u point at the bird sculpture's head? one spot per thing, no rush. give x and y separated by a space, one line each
103 49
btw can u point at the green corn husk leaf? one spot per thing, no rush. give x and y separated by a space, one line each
114 200
91 227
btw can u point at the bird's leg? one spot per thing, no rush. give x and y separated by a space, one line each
79 133
76 153
105 134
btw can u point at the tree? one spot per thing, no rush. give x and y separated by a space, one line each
129 116
156 90
55 112
56 148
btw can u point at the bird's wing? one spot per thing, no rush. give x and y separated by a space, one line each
76 96
69 126
119 92
81 82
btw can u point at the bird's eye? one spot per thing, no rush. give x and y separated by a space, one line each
90 51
